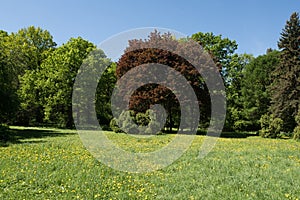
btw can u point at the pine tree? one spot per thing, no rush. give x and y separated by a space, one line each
286 77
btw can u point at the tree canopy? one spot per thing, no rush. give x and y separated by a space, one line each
255 95
138 54
46 92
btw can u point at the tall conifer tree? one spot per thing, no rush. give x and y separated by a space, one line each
286 77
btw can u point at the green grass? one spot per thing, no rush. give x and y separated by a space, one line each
53 164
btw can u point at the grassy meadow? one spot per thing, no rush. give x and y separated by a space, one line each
53 164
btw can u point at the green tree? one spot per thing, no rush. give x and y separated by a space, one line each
104 91
91 67
255 95
221 49
286 85
28 48
8 81
235 78
230 66
50 86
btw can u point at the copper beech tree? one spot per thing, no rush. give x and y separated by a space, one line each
166 52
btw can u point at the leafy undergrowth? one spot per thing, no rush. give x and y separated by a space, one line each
53 164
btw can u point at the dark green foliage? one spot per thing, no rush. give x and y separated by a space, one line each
142 119
286 85
4 135
8 81
91 96
114 126
230 65
104 91
270 126
255 96
234 79
296 134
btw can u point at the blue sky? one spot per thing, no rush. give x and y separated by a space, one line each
254 24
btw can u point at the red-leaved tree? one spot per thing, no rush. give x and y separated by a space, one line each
138 53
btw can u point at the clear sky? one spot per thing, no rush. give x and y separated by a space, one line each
254 24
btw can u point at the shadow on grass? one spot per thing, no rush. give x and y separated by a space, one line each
16 135
223 134
231 134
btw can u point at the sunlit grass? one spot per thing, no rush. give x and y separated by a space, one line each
137 143
59 167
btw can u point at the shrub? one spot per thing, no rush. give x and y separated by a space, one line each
242 125
142 119
296 134
128 126
114 126
264 123
128 121
154 123
123 123
153 128
270 126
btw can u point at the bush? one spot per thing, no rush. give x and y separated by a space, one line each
264 123
242 125
153 128
128 126
114 126
129 122
154 123
142 119
296 134
123 123
270 126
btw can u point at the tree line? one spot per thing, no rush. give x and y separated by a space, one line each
263 93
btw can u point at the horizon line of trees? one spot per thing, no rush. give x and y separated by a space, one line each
263 93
